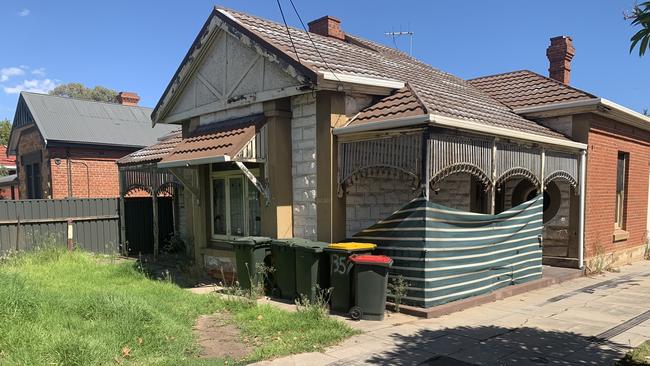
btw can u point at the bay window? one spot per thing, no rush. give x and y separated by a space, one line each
235 205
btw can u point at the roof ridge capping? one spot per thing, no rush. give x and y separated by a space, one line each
83 100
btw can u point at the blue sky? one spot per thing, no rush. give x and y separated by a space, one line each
137 45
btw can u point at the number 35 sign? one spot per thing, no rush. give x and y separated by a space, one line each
341 264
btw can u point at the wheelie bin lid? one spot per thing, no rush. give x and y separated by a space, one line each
377 260
352 246
252 240
291 242
314 246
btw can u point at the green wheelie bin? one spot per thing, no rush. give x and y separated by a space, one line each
283 259
312 270
341 273
249 252
370 285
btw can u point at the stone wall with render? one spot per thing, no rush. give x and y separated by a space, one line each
369 200
303 142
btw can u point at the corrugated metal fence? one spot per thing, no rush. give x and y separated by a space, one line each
27 224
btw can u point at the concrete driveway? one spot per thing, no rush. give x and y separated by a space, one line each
587 321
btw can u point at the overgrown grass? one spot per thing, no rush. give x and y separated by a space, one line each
61 308
638 356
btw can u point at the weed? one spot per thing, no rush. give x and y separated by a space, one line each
316 307
601 261
398 288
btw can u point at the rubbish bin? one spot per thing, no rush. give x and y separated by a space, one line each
312 268
340 272
249 252
283 259
370 283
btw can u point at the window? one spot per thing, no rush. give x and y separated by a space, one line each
33 178
621 189
235 205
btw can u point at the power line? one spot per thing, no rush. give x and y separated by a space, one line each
288 32
312 41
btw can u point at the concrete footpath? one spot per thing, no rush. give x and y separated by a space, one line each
586 321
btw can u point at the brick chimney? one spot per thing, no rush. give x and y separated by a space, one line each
560 53
327 26
128 98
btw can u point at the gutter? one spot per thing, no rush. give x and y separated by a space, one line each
361 80
456 123
600 106
193 162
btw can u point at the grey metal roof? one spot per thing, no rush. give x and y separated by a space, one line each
80 121
8 180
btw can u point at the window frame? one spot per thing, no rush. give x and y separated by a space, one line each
620 206
226 175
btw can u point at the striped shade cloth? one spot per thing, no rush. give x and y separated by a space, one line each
446 254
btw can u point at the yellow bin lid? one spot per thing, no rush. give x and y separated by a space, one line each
352 246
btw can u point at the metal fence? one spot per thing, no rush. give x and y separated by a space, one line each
93 224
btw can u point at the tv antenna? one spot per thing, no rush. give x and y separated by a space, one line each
400 34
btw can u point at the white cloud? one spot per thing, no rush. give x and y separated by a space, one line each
7 72
34 86
24 12
39 72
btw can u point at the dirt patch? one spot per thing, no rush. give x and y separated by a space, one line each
220 338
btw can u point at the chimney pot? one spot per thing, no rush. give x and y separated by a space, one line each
128 98
560 53
327 26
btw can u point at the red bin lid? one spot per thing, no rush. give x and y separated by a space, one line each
371 259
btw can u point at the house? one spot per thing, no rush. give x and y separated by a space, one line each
66 147
618 157
8 177
324 135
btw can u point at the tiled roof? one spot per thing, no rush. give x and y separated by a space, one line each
6 161
401 104
153 153
216 139
442 93
519 89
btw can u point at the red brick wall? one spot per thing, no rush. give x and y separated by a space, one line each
606 139
94 172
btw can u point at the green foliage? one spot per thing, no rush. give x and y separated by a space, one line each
641 17
75 308
637 357
80 91
317 307
398 288
5 129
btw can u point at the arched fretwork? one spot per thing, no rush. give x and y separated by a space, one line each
518 172
379 172
136 188
168 188
562 175
467 168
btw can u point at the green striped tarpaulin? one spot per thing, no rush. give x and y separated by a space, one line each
446 254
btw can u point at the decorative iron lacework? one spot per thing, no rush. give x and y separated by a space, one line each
514 160
398 156
451 154
140 177
561 165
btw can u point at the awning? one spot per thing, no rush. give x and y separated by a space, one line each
215 142
9 180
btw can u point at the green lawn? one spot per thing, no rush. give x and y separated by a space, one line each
639 356
60 308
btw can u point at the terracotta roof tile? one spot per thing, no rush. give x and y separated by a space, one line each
225 138
525 88
401 104
6 161
442 93
153 153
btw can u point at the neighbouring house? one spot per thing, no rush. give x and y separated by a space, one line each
66 147
618 157
327 136
8 176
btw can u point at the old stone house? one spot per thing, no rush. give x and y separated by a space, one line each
324 134
67 147
618 157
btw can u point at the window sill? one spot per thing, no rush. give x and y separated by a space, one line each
621 235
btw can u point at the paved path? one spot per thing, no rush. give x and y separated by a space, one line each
587 321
